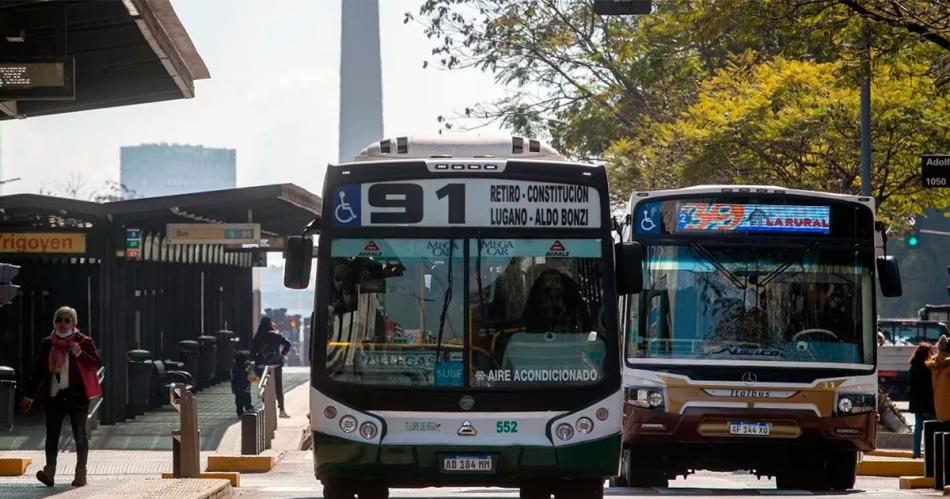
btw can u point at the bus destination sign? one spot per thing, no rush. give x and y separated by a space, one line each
732 217
935 170
470 202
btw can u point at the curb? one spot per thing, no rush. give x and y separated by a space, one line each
14 466
905 454
233 479
892 467
916 482
248 464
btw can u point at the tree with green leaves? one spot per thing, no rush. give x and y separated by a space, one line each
713 90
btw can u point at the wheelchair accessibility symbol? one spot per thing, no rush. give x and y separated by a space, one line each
345 213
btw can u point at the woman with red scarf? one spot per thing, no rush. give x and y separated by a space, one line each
65 379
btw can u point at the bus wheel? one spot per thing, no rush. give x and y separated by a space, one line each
842 469
534 491
637 473
796 480
339 489
580 489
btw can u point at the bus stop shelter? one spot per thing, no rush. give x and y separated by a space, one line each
63 56
79 253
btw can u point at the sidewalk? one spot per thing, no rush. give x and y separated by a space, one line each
152 430
126 474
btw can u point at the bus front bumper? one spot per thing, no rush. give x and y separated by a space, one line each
701 438
421 465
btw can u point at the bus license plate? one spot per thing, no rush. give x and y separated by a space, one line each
746 428
480 463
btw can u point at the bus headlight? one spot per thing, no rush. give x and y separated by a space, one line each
648 397
584 425
564 431
368 430
348 424
855 403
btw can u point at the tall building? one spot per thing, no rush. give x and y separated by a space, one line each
149 170
361 81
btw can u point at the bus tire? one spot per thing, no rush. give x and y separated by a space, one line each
534 491
339 489
580 489
637 473
842 469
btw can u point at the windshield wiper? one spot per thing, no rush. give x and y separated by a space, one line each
703 252
445 304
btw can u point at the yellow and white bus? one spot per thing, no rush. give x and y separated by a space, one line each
752 344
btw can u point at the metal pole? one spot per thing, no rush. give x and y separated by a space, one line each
866 116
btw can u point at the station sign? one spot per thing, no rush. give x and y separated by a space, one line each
43 242
213 233
470 202
935 170
38 79
265 244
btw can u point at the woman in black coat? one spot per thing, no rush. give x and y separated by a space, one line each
921 392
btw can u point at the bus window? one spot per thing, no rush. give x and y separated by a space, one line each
536 312
385 316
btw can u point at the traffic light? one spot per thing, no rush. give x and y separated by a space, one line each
8 290
913 240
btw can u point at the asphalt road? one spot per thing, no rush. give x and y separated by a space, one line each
293 478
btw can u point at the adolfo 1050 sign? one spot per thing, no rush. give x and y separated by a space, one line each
935 170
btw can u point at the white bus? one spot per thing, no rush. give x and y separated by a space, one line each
752 345
465 327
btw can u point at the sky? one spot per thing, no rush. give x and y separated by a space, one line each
273 95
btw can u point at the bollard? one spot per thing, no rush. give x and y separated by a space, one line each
939 455
269 396
945 470
249 433
929 428
186 457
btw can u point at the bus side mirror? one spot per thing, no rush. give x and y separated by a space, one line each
628 262
889 275
297 260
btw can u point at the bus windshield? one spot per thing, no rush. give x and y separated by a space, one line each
397 307
807 304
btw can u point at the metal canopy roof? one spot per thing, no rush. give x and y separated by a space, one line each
281 209
126 52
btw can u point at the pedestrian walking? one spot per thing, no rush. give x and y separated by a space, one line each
242 373
921 391
939 364
268 349
65 378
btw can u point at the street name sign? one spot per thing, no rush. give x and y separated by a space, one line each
935 170
213 233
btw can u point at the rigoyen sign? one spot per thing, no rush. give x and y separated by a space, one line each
42 242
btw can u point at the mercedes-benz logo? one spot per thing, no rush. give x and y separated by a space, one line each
749 378
467 402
